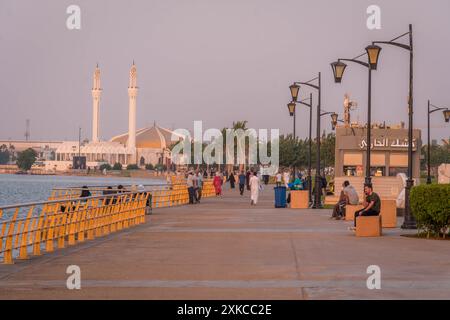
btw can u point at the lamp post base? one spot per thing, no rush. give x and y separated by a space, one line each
409 225
310 190
317 194
409 222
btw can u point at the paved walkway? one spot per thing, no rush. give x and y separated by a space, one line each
225 249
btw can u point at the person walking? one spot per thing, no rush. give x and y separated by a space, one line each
195 184
232 180
199 186
248 175
217 182
242 179
254 188
190 187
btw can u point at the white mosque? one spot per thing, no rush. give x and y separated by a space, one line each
137 146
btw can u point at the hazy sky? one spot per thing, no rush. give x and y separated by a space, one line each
211 60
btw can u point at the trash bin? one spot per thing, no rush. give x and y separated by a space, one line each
280 197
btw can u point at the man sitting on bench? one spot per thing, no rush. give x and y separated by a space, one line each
372 204
348 196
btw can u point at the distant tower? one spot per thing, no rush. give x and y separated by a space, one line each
27 130
132 94
96 93
348 106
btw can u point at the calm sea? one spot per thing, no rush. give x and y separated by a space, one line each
16 189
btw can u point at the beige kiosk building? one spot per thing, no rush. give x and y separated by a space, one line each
389 156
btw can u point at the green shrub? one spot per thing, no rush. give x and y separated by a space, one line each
132 167
26 159
149 166
430 205
106 166
117 166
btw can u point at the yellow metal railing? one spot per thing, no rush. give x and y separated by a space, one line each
67 219
161 195
46 224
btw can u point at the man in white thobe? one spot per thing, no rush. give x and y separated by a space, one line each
254 189
286 178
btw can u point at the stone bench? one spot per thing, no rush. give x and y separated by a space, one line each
350 210
299 199
389 213
369 226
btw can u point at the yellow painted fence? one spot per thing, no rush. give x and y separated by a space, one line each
66 219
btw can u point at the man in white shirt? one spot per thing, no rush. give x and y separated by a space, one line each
278 179
348 196
190 186
351 194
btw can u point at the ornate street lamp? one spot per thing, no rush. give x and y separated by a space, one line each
338 67
373 52
294 92
338 70
446 112
409 221
291 108
447 115
334 120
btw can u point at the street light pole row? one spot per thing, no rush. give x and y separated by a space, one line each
373 52
292 111
295 88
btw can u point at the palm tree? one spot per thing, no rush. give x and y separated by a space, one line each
241 125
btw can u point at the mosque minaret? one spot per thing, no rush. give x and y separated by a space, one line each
96 94
132 94
149 145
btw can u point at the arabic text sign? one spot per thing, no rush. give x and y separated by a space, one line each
396 143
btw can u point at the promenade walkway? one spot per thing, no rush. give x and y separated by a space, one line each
225 249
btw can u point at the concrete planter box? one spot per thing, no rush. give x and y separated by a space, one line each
299 199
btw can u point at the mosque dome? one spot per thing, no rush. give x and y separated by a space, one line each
151 137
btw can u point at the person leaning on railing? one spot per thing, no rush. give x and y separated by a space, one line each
108 191
85 193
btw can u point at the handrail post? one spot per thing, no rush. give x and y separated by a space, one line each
24 236
7 256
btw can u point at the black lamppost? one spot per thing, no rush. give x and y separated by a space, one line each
409 222
372 52
318 186
294 91
446 112
291 108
